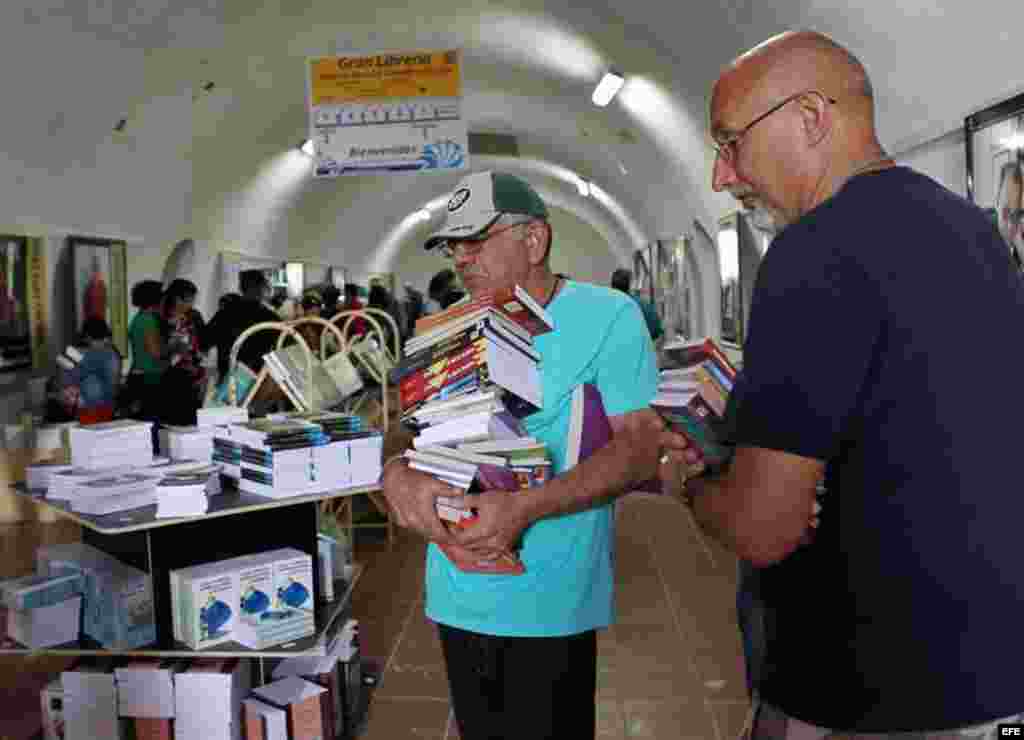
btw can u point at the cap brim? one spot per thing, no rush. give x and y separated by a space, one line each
459 231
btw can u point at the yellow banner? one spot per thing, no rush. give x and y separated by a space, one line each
36 290
416 74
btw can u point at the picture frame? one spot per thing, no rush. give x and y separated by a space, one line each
16 346
994 141
99 268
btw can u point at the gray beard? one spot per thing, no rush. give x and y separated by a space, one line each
763 220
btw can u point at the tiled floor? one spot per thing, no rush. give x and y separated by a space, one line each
670 668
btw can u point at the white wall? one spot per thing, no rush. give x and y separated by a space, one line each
943 159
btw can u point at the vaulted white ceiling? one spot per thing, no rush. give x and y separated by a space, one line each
69 69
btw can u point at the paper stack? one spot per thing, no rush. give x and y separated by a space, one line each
38 475
112 443
208 699
187 443
219 416
112 493
62 483
90 701
296 456
117 607
185 493
43 610
145 687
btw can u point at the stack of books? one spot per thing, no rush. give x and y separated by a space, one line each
117 601
184 492
196 442
227 453
43 610
38 475
61 484
119 492
470 373
218 416
692 397
279 458
257 600
112 443
472 347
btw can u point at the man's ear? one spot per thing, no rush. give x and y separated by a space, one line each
537 241
816 114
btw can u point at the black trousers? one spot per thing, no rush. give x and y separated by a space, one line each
521 688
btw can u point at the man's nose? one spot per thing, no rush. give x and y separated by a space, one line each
723 175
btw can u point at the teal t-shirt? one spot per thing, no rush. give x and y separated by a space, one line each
600 337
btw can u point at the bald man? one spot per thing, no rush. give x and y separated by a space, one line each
901 611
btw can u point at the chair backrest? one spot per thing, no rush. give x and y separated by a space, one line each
280 326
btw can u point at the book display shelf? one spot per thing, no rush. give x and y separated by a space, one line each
159 546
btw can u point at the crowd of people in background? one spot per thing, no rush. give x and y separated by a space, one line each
165 376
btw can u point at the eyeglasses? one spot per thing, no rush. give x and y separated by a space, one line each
1013 216
728 148
470 247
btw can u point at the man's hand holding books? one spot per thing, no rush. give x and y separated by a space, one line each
413 497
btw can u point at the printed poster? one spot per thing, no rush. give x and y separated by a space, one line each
387 113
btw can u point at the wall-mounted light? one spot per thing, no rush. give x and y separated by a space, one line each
606 89
307 147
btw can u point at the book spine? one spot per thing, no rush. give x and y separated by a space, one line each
425 388
712 394
517 312
444 363
720 378
425 324
426 356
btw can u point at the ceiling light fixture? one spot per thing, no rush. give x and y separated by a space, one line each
308 148
1013 142
606 89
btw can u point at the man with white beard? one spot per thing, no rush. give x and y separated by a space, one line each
897 615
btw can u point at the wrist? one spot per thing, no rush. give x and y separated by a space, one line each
399 458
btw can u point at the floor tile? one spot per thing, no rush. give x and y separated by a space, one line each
610 721
407 719
682 718
731 718
404 679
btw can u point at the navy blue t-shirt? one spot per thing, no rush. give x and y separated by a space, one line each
885 340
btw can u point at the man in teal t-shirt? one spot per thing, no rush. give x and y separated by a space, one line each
521 650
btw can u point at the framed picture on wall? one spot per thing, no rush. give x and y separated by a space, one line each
99 280
15 318
994 138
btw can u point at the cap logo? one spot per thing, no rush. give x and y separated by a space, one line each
458 199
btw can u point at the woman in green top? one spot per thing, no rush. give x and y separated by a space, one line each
146 340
